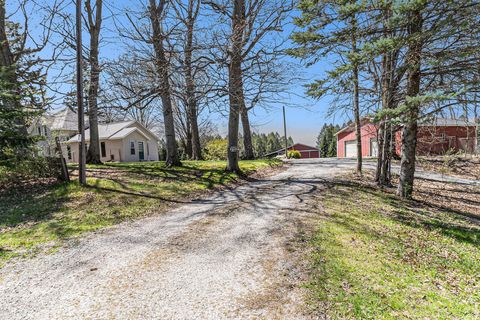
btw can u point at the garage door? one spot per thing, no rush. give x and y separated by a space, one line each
373 147
351 149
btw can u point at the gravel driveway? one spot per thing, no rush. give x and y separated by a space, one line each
218 258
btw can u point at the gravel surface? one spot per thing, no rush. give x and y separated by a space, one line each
222 257
370 163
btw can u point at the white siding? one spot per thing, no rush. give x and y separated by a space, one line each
135 137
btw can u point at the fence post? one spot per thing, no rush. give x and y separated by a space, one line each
63 163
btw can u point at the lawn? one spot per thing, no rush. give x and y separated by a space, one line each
374 256
37 217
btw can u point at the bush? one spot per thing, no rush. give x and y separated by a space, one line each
294 154
216 149
15 171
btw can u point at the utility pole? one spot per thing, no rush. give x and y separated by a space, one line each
285 132
81 123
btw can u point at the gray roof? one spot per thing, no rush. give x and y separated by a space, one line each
65 119
114 130
447 122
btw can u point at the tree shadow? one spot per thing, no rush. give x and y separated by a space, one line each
457 224
20 206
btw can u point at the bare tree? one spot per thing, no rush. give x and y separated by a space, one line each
133 91
94 20
188 14
149 35
251 22
156 13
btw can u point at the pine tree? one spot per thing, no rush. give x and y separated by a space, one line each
333 28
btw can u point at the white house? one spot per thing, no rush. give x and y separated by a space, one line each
62 124
126 141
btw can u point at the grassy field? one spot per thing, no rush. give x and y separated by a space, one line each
374 256
37 217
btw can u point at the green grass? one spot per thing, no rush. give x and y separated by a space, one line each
40 217
377 257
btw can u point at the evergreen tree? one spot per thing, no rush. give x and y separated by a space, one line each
334 28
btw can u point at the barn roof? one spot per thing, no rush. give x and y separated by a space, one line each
351 126
448 122
437 122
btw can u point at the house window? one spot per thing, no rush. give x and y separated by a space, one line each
148 149
69 152
132 147
39 130
45 130
103 149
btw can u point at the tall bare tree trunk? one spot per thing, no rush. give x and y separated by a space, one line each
195 150
356 99
94 25
235 84
188 140
247 133
409 133
162 66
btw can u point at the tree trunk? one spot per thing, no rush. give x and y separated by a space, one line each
195 134
192 115
386 155
385 135
409 133
247 133
356 100
235 84
93 154
380 144
162 67
188 140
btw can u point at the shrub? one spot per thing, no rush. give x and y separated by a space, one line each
216 149
294 154
15 171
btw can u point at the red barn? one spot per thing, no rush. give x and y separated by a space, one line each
347 143
442 135
305 151
434 138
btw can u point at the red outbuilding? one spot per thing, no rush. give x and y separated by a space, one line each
305 151
434 138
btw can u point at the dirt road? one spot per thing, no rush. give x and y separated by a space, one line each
218 258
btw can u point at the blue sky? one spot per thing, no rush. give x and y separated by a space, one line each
305 116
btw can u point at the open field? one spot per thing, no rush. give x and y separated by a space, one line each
374 256
34 218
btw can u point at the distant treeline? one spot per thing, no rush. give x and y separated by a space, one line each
327 140
214 146
266 143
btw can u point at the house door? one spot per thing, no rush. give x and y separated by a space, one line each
141 152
